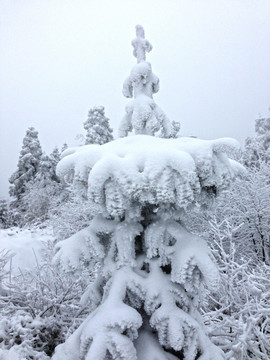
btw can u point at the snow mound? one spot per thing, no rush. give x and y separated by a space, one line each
25 247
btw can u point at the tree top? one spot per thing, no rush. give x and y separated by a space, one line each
140 44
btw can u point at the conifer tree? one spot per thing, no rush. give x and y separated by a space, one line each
55 156
151 271
257 149
42 193
98 130
4 214
28 164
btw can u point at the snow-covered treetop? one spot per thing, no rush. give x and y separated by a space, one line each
143 169
98 130
140 44
142 114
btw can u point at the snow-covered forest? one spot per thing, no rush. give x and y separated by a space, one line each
149 246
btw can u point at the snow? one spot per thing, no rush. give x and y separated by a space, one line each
25 246
149 169
142 114
147 290
121 179
10 354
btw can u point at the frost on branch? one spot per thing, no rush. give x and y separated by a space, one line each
152 270
142 114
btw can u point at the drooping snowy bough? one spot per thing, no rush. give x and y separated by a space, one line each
152 270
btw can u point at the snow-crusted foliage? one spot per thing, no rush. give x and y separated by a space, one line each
142 114
98 130
28 164
152 270
40 193
39 308
246 207
69 214
237 314
130 172
38 200
34 184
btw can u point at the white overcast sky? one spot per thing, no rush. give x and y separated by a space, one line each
58 58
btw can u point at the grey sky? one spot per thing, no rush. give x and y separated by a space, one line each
59 58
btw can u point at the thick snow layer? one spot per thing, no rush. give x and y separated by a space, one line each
9 354
151 170
25 246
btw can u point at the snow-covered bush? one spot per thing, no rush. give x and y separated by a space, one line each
38 200
69 215
237 314
39 308
246 207
238 231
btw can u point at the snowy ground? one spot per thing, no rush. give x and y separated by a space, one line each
25 246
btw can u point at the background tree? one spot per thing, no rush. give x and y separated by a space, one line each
98 130
257 149
4 214
28 164
41 192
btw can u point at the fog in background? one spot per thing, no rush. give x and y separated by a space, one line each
59 58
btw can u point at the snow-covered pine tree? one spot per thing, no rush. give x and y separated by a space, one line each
43 190
151 269
4 214
55 158
257 149
98 130
28 164
142 114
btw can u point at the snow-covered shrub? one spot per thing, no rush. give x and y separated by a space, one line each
246 207
237 314
38 201
5 256
39 308
70 215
